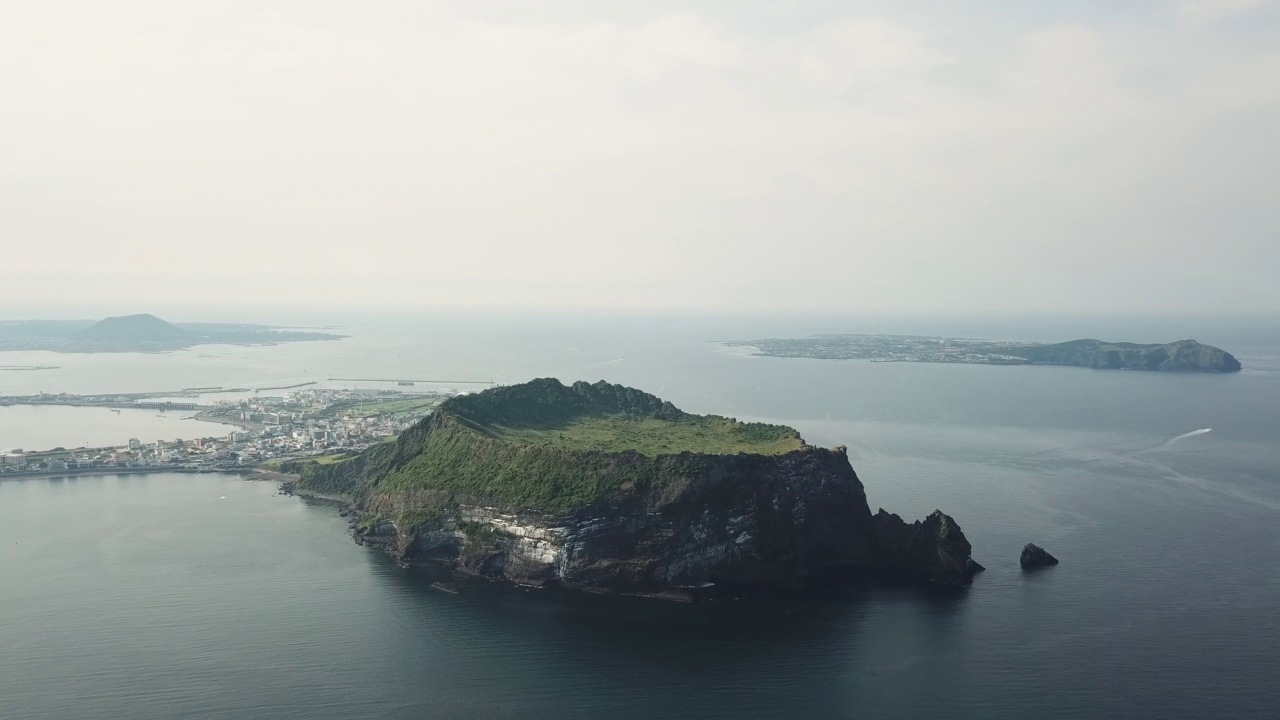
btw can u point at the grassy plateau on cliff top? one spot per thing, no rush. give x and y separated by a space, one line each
610 418
654 437
548 446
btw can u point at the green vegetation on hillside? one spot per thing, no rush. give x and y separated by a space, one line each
653 437
546 446
331 459
544 402
373 408
415 518
610 418
298 465
458 461
368 521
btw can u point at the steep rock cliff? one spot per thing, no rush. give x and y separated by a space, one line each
508 484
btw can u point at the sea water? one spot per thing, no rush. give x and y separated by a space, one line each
161 596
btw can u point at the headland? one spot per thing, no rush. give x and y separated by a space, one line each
606 488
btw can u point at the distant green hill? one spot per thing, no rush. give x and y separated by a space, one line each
140 333
141 328
1180 356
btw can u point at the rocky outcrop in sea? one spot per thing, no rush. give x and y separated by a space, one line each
1034 556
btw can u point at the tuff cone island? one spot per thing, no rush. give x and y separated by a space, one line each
606 488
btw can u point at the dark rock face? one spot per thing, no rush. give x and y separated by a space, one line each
786 523
935 549
1034 556
744 521
780 522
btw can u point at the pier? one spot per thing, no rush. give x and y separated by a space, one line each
286 387
412 380
114 404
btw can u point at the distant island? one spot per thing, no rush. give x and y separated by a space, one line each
606 488
1181 356
140 333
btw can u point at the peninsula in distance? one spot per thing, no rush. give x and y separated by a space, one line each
141 333
605 488
1180 356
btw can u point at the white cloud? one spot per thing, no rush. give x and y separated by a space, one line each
845 53
1204 12
628 159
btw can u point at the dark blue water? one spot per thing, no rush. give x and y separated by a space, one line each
194 596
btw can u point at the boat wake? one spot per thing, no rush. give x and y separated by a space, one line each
1184 436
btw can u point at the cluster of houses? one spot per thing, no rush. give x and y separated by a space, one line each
299 425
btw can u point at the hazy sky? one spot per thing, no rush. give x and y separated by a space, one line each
741 155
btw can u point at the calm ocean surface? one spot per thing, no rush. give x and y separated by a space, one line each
192 596
43 427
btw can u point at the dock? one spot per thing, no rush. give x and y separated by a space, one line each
412 380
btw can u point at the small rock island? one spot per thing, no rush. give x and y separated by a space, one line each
606 488
1033 556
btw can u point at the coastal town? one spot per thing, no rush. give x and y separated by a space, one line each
304 423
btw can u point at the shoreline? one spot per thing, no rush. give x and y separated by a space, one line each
246 473
27 475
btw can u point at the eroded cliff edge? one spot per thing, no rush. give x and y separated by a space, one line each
606 488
